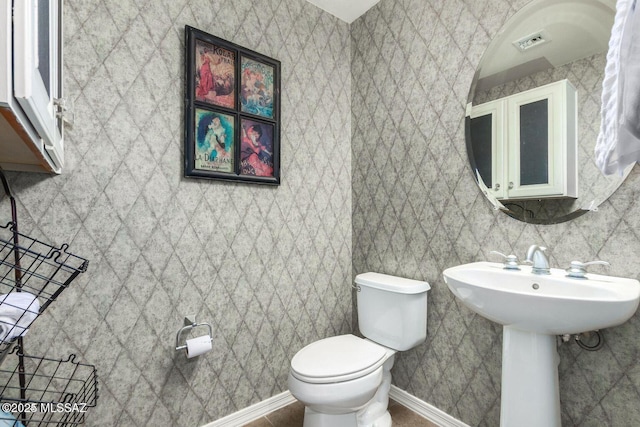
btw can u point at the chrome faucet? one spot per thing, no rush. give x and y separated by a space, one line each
537 257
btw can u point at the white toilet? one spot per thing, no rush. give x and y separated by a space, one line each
344 381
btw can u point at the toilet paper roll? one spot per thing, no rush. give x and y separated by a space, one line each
199 345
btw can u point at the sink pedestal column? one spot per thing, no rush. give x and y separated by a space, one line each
530 394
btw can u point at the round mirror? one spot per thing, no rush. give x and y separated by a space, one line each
533 114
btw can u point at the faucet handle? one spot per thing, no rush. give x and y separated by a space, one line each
510 261
578 269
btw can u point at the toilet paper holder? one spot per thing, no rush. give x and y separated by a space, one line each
189 324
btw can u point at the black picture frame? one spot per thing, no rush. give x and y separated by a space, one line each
232 111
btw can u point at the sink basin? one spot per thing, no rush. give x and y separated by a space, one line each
548 304
533 309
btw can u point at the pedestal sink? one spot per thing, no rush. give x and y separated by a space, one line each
533 309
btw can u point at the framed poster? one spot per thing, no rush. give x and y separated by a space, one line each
214 141
232 111
256 94
215 76
256 148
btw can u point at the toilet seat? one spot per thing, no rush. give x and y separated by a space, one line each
338 359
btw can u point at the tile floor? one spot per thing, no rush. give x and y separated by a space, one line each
292 416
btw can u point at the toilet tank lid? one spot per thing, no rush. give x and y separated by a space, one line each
392 283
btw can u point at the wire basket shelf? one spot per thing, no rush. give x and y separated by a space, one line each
37 391
30 265
50 392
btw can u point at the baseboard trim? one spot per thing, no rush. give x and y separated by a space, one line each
254 412
260 409
422 408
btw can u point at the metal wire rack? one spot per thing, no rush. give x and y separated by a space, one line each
37 391
29 265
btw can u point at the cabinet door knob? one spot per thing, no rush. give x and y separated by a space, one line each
510 185
496 187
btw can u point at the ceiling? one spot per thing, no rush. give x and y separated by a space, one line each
347 10
573 29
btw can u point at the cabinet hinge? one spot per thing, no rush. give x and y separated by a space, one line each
64 110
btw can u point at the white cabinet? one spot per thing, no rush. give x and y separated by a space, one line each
31 130
524 146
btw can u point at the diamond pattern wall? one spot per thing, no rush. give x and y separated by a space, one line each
269 268
417 211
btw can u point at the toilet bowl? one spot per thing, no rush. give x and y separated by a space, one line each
339 379
344 381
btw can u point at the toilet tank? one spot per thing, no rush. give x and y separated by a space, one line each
392 311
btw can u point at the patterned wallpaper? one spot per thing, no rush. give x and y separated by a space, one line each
268 267
417 211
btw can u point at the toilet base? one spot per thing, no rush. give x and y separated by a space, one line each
373 414
317 419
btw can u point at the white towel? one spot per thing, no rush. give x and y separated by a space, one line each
618 144
8 420
17 311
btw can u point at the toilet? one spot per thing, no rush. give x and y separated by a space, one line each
344 381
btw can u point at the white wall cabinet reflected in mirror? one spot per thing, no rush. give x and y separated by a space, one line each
524 146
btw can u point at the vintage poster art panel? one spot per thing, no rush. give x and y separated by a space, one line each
256 148
231 111
214 141
215 74
257 83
